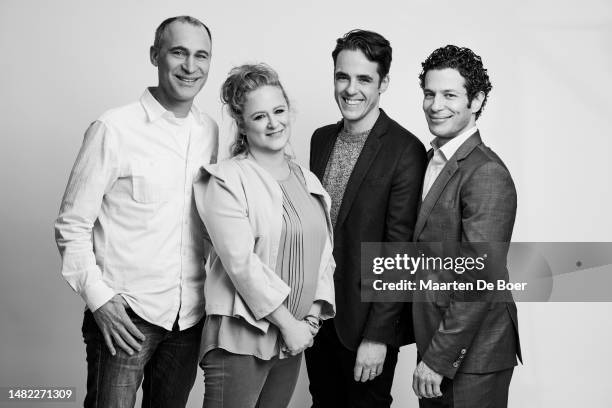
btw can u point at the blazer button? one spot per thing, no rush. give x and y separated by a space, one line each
463 351
456 364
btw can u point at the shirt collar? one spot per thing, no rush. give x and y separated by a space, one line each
155 110
451 147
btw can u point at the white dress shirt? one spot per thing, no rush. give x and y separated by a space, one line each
128 223
441 156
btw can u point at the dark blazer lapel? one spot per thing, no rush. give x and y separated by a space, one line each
324 151
368 153
439 185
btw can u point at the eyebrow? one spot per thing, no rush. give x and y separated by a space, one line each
360 77
263 111
443 90
181 48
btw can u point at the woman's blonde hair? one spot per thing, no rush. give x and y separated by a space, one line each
240 81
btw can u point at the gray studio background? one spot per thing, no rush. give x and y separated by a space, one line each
63 63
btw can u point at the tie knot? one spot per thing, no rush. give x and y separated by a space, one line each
438 157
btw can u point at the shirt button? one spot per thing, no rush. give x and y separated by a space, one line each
463 351
456 364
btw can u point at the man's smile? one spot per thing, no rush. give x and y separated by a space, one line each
187 79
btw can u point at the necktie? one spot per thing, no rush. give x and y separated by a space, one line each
434 167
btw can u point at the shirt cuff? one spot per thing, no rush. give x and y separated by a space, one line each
327 309
97 294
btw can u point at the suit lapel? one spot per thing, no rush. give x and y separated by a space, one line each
324 151
434 193
368 154
449 170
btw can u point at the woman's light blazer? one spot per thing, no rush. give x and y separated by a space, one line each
241 205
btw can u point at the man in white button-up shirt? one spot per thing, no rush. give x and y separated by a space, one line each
130 238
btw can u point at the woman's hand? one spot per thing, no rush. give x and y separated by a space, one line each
297 337
296 333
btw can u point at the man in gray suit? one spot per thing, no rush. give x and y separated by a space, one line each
466 350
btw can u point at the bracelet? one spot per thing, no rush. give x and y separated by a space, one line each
314 321
312 324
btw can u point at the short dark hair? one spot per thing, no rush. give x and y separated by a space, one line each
469 66
374 46
161 30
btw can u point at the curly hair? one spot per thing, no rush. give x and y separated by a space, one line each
374 46
241 81
469 66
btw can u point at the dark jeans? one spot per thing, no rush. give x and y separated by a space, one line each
330 371
167 361
244 381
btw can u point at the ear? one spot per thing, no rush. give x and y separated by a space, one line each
477 102
153 55
384 84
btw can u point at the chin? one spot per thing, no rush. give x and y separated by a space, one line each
187 96
280 148
438 131
352 115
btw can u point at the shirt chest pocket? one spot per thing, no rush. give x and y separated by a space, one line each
150 181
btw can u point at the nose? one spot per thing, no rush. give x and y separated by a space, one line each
189 64
351 89
437 103
272 122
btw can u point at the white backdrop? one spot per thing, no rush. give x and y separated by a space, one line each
549 117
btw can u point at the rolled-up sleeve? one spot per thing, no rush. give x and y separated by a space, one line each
325 290
224 212
92 176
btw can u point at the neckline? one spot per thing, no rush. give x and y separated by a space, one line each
353 137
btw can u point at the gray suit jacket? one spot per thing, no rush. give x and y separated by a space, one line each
472 200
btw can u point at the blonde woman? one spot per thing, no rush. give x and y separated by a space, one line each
269 278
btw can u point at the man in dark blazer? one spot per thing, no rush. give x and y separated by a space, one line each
466 350
372 169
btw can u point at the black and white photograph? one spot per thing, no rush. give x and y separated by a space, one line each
306 204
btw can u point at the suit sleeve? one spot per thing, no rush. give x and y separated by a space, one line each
488 202
402 206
